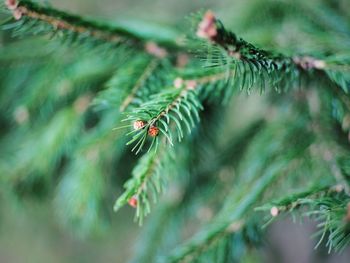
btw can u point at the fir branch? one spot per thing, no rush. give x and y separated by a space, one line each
28 12
325 204
190 249
238 49
143 85
294 200
213 30
147 181
247 65
332 212
166 109
255 177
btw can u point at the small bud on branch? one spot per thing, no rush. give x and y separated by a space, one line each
133 201
155 50
274 211
153 131
207 27
139 124
11 4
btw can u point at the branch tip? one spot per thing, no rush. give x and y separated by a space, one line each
11 4
153 49
274 211
207 27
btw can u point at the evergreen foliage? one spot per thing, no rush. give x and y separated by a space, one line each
87 107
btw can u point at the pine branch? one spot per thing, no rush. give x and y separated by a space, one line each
148 181
172 106
293 201
333 216
331 209
264 163
215 231
162 99
38 19
247 66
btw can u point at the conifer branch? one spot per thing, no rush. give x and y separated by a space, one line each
294 200
213 30
247 66
148 181
27 12
162 98
203 239
176 105
328 206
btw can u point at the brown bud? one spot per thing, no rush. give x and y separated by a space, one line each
191 84
155 50
17 14
338 188
153 131
11 4
139 124
274 211
207 27
133 201
178 82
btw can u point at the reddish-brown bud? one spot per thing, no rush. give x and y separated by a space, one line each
178 82
133 201
207 27
155 50
11 4
139 124
17 14
274 211
153 131
191 84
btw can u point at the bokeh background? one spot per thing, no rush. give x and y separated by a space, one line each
30 231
